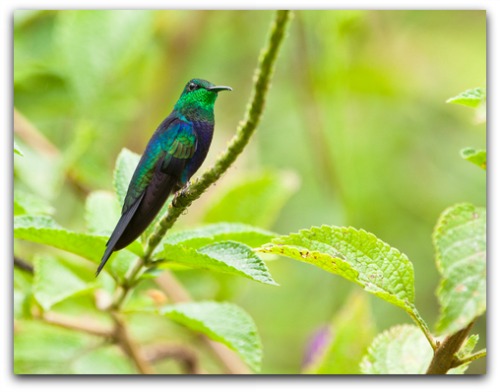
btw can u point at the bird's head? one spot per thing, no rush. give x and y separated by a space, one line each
198 95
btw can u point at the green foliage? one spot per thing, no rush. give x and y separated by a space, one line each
55 280
89 106
121 35
207 234
103 360
44 230
356 255
460 242
17 150
255 200
400 350
101 212
475 98
124 169
27 204
222 322
228 257
44 349
477 157
472 98
351 332
23 282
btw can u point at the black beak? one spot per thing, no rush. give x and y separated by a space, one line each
216 89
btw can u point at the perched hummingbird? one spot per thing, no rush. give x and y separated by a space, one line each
175 152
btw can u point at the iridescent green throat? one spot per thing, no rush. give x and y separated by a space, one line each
197 105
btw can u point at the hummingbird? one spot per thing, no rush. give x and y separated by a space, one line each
174 153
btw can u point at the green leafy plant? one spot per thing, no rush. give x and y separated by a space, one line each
221 248
460 251
138 317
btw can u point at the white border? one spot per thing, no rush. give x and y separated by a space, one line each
293 383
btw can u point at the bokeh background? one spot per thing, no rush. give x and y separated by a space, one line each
356 132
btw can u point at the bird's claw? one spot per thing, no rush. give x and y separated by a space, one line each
181 193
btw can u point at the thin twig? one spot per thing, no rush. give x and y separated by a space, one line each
24 265
183 354
82 325
128 345
413 312
473 357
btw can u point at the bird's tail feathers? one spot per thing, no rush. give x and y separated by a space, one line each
117 233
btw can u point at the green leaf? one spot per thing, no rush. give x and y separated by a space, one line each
124 170
204 235
355 255
26 203
94 44
477 157
465 351
222 322
104 360
17 150
23 282
255 200
348 342
473 97
403 349
102 212
54 281
44 230
226 257
460 243
44 349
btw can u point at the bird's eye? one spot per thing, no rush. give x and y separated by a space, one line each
192 86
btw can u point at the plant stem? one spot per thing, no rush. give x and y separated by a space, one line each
245 130
444 355
81 325
470 358
183 199
423 326
128 345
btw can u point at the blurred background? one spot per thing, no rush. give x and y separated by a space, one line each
356 132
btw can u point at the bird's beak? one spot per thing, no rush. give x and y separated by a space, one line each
216 89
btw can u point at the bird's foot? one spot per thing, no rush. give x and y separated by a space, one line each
181 193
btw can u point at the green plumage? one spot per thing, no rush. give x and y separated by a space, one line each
175 152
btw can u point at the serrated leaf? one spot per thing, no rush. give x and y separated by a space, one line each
124 170
26 203
55 281
477 157
43 349
204 235
347 343
355 255
255 200
473 97
222 322
104 360
460 243
403 349
226 257
102 212
44 230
